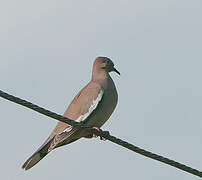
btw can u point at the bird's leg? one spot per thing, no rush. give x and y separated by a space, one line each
104 132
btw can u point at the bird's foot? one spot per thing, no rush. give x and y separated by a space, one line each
98 129
104 132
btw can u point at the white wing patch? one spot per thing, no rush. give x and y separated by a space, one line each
68 129
90 110
92 107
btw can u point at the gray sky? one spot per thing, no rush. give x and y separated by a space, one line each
47 50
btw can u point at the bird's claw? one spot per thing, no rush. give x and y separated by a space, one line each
103 132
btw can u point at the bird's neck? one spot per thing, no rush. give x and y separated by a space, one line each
100 77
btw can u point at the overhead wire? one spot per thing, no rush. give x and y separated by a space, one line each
102 134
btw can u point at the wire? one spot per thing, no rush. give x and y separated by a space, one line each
101 134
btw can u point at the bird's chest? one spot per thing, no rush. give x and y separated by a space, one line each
105 108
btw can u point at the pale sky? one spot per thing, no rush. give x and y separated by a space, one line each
47 50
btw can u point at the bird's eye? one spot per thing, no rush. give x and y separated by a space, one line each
104 61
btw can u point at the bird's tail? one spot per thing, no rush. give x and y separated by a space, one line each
37 156
51 143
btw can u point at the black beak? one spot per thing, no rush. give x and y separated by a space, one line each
116 71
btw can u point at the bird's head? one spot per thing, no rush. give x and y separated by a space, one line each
105 64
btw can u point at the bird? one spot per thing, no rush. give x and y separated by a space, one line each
93 106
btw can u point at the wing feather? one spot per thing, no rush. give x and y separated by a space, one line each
79 110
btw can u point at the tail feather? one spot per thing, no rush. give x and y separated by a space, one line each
37 156
51 143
